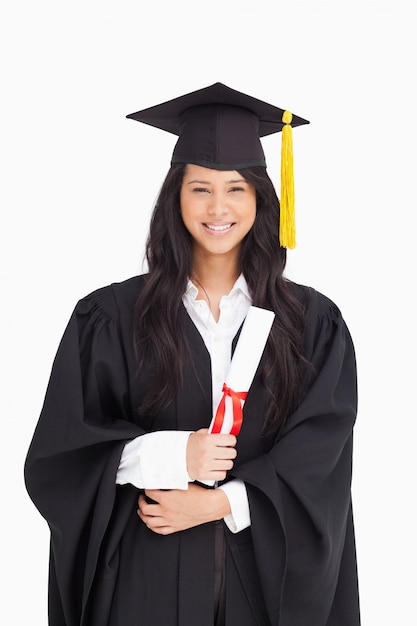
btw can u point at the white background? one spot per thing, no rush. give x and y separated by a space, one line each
78 181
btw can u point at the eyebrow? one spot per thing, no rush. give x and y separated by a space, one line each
207 182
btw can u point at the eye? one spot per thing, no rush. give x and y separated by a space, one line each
236 189
200 190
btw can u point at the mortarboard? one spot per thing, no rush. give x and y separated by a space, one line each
220 128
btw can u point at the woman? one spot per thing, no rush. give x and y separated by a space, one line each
122 452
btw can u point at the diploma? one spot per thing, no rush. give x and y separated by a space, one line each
228 415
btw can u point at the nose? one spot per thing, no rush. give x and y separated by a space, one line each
217 206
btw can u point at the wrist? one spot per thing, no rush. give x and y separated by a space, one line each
221 504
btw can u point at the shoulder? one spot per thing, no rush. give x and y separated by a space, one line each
315 303
321 305
112 301
324 322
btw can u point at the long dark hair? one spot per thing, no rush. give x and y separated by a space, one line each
159 310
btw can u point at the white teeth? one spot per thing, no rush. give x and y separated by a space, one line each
218 226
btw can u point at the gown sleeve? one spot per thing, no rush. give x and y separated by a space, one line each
72 461
300 490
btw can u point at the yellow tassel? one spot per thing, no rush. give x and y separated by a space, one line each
287 202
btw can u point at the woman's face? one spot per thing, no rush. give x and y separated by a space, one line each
218 209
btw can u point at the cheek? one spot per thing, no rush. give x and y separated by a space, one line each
183 208
252 210
186 206
186 214
252 216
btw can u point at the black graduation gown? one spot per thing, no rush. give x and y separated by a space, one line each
295 565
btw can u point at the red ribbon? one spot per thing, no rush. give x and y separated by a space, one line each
236 396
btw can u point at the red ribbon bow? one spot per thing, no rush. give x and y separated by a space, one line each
236 396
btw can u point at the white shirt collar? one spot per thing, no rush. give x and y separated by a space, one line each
240 284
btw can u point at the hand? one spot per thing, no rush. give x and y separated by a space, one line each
210 457
178 509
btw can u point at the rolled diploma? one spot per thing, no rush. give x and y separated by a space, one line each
245 361
246 357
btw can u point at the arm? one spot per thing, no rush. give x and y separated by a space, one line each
75 451
178 510
299 489
170 459
161 461
155 461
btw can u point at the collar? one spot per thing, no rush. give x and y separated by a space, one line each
240 284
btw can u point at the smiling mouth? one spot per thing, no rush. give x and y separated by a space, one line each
219 227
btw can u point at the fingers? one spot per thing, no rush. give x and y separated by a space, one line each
224 440
216 475
210 457
159 519
179 509
201 444
148 514
221 452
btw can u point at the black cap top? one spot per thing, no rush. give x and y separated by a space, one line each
218 127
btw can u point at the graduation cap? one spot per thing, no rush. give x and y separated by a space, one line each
220 128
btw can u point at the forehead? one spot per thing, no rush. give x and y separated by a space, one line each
208 175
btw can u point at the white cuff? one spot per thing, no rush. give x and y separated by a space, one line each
155 461
239 518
